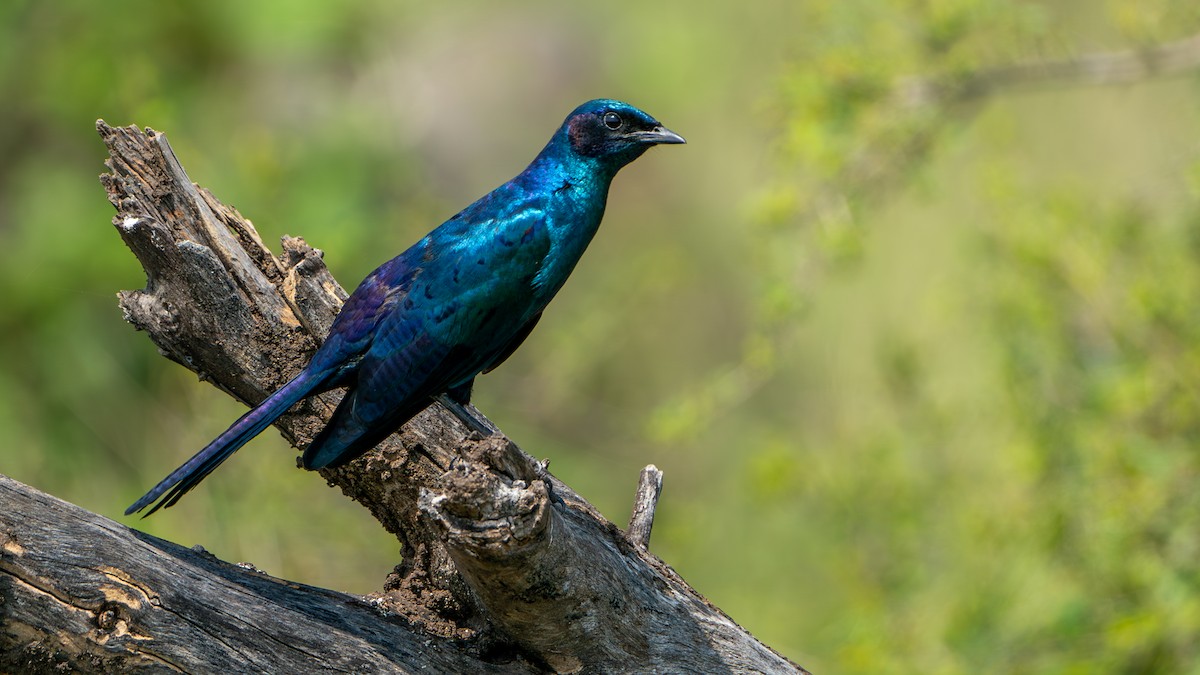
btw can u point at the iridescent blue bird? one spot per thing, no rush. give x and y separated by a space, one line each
454 305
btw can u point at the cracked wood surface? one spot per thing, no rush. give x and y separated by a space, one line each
80 592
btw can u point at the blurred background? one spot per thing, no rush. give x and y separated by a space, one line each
916 345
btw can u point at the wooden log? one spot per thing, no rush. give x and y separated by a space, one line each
81 593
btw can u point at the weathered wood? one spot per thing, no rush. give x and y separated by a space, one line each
500 560
570 587
645 502
251 328
81 593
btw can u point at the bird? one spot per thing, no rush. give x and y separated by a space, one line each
455 304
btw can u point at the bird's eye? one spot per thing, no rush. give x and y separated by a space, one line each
612 120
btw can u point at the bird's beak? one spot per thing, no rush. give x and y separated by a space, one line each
659 135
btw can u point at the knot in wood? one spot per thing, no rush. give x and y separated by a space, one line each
111 616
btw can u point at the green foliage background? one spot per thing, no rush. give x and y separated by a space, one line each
923 378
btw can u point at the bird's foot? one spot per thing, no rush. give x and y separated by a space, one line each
469 416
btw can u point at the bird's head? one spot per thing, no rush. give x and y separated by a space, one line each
613 132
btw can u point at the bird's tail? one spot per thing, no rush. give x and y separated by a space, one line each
222 447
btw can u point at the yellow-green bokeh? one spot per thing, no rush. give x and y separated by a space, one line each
940 422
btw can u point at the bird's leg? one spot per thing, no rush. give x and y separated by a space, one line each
466 413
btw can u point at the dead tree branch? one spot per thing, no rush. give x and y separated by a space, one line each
79 593
501 561
641 519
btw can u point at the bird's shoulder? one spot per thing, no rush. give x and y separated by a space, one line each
355 323
508 226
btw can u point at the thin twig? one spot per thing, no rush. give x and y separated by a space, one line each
1099 68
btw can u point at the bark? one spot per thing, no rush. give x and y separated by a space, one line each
79 592
503 568
641 519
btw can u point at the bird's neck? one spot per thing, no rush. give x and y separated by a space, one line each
588 178
573 191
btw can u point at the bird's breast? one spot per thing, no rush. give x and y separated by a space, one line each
571 222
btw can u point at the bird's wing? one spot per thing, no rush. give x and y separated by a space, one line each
354 328
471 296
461 311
